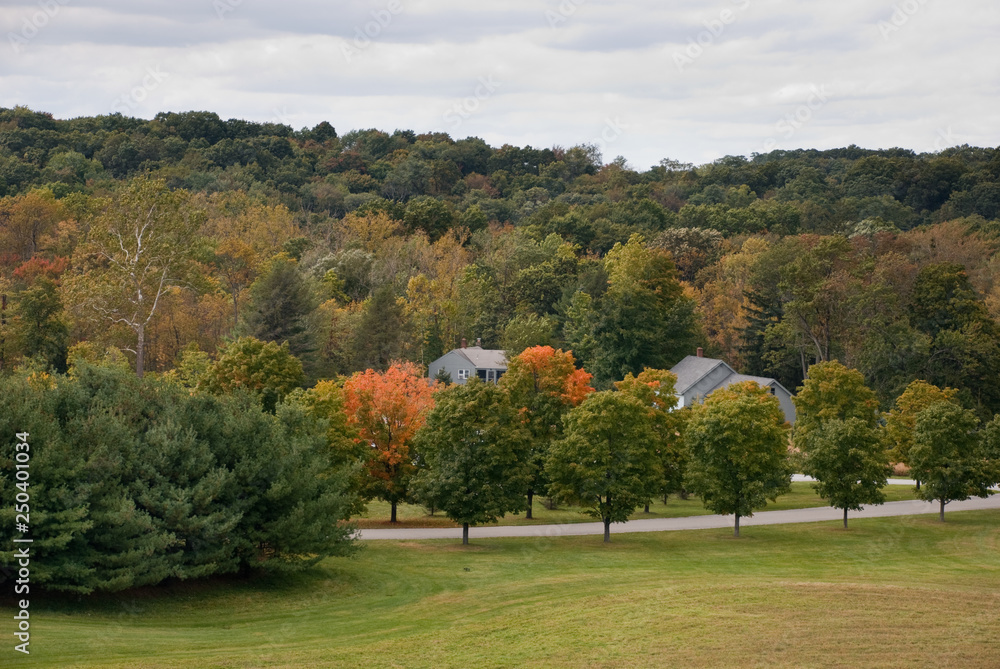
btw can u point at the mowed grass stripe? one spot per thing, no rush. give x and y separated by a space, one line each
888 592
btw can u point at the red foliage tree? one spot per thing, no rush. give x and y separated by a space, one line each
544 383
388 408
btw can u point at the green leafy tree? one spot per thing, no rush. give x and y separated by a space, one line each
644 319
265 369
655 388
39 324
738 448
526 331
607 461
948 455
474 453
848 459
832 392
902 420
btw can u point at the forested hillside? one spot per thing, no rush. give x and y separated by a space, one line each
172 238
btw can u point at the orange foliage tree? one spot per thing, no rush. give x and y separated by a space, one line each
544 383
388 408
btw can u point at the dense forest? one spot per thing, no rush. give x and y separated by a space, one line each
165 241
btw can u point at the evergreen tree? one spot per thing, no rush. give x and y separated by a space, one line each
382 332
281 309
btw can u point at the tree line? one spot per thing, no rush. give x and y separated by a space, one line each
371 247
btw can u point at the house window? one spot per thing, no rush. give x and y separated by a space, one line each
463 375
771 389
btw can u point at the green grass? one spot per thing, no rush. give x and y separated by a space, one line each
802 496
890 592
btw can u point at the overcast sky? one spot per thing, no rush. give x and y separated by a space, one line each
682 79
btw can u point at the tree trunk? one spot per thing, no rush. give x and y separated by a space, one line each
392 517
845 518
736 528
531 497
646 510
607 529
465 534
665 498
140 349
918 484
942 509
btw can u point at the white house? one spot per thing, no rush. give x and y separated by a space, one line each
469 362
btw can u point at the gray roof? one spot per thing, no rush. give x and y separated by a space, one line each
484 358
693 369
740 378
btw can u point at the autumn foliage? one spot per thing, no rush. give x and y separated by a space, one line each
388 408
544 369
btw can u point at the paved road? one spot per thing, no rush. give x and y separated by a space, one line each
819 514
803 477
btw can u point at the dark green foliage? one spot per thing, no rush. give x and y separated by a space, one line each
474 455
738 451
608 461
850 463
40 327
136 481
380 336
949 456
644 319
281 309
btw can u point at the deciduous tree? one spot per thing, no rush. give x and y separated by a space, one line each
948 455
138 247
738 448
388 408
655 389
832 392
265 369
608 461
848 459
474 452
544 384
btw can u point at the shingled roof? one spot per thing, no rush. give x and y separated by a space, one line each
484 358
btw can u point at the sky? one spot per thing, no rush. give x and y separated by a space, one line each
686 80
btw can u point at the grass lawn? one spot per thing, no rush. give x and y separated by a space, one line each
408 515
889 592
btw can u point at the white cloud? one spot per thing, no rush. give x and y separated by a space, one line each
755 67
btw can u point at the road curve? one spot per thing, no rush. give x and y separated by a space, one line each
813 515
